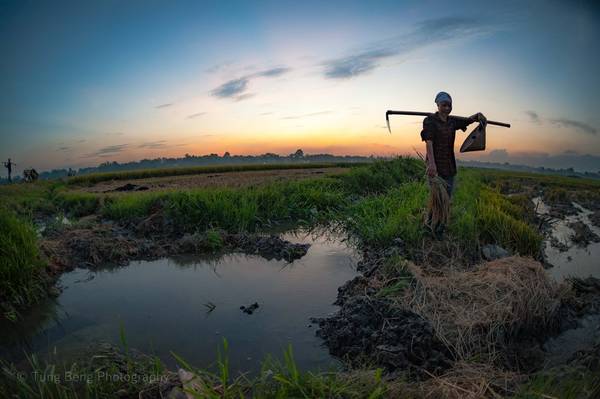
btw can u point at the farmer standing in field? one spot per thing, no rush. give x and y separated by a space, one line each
8 165
438 133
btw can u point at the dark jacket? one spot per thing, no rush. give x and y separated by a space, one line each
442 135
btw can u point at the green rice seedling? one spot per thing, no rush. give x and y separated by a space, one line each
567 383
214 241
483 215
27 200
398 213
380 176
21 268
77 204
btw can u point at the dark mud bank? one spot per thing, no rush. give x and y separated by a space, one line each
111 244
369 329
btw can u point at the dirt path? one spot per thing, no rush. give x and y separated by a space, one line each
228 179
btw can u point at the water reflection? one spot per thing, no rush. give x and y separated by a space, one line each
575 261
163 306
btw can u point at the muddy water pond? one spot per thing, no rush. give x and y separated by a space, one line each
568 259
189 304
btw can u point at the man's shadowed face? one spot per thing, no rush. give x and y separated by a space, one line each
445 107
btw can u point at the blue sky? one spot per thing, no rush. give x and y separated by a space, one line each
87 82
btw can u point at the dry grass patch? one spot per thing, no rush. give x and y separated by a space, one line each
470 381
477 313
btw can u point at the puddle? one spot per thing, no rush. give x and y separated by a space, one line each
165 306
575 261
561 348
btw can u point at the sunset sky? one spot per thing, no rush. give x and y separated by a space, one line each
85 82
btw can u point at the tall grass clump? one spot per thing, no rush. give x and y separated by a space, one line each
28 199
230 209
380 176
482 215
77 204
278 380
21 269
378 220
132 206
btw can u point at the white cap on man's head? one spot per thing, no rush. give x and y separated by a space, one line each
443 96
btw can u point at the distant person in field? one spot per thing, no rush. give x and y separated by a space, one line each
438 133
9 165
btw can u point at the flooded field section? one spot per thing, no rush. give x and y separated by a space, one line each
572 244
187 305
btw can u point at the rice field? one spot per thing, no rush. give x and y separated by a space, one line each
377 205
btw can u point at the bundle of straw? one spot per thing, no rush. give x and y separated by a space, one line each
439 202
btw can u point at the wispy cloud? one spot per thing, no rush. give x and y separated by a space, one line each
165 105
231 88
577 125
533 117
108 150
307 115
218 67
563 122
424 34
271 73
154 144
197 114
236 88
244 96
356 64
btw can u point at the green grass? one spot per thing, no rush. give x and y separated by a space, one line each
482 215
276 379
398 213
381 176
375 203
28 199
94 178
568 383
21 281
77 204
479 215
230 209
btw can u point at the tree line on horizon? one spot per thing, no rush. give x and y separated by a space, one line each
200 160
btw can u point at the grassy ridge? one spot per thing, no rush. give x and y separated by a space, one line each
94 178
231 209
481 214
376 203
21 281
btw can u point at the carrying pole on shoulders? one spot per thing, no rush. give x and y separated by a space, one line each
416 113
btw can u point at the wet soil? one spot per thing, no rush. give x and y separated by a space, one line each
367 329
108 243
582 235
595 218
370 329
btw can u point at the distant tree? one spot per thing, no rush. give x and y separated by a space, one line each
227 154
298 154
